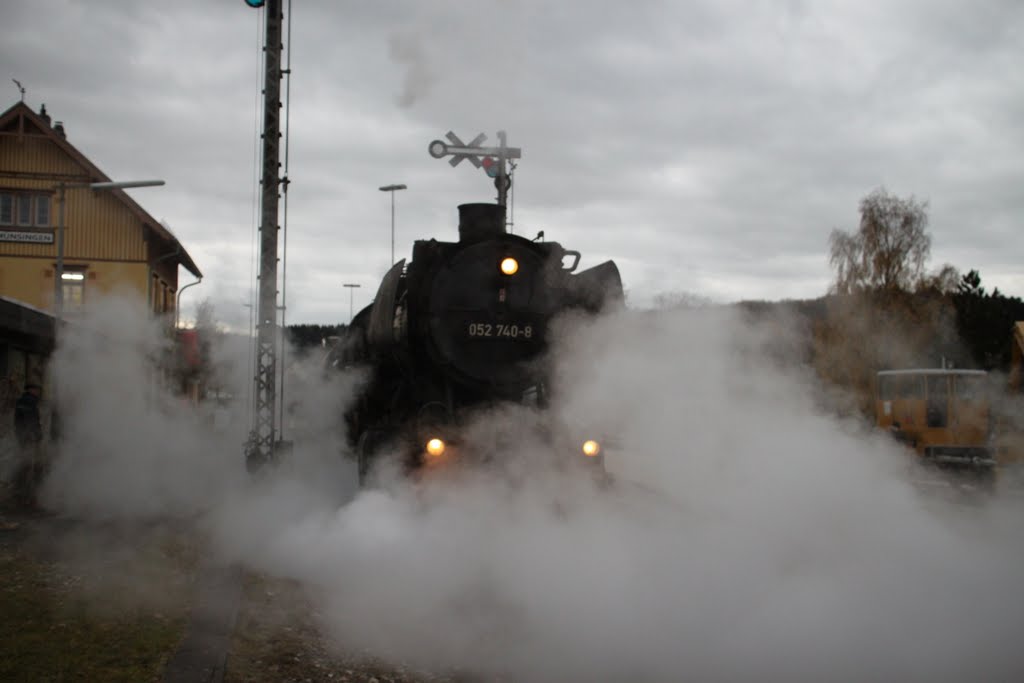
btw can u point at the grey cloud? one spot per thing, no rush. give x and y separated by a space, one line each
655 133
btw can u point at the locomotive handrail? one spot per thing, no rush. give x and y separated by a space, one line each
576 261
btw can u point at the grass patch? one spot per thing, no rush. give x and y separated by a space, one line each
276 638
114 613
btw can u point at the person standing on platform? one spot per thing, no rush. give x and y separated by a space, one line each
28 430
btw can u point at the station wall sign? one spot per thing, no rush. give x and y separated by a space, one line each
28 236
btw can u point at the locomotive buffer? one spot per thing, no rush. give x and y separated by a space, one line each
460 151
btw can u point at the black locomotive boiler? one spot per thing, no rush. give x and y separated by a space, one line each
463 326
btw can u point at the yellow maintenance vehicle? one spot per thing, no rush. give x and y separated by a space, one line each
944 414
1009 439
1017 360
957 419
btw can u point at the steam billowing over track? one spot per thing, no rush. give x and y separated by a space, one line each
779 542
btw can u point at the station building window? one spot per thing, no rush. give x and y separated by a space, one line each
164 298
25 210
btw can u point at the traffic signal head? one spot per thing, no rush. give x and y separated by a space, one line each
490 166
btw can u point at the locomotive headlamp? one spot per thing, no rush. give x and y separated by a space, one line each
435 447
509 266
591 448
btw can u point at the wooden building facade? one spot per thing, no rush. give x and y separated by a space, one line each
111 244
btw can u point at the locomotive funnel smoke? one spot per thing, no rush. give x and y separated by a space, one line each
407 49
748 535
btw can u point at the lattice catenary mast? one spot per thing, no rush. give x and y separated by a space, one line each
263 439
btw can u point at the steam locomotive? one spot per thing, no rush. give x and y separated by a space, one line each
463 327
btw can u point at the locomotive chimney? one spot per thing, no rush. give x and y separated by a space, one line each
480 221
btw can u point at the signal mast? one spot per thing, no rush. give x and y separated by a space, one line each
493 160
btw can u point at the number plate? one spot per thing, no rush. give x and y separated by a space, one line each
513 331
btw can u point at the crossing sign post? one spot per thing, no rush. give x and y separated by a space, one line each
480 157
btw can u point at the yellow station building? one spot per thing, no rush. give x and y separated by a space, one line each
111 244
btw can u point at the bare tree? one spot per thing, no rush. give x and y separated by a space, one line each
888 251
211 336
945 280
206 317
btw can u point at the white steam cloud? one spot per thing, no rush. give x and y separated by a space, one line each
748 534
127 447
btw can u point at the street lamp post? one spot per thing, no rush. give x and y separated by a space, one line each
351 293
58 292
392 189
62 187
177 305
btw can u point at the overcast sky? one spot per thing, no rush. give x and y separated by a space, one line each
708 147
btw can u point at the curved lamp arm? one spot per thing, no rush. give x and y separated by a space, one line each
177 305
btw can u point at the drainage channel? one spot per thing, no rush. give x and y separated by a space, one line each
202 655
